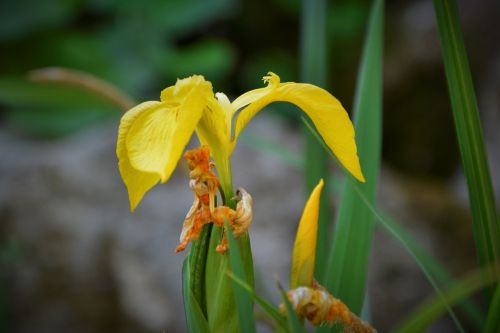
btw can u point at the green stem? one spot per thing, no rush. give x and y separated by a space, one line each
223 165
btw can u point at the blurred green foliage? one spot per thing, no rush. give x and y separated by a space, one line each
135 45
143 46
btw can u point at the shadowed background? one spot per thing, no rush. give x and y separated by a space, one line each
72 256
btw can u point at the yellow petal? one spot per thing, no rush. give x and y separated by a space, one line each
304 250
182 88
249 97
214 129
137 182
327 114
157 137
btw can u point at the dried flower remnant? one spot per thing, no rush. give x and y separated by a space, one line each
204 184
241 218
319 307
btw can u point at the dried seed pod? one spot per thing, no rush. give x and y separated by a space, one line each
319 307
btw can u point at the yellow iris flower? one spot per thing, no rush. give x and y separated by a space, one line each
153 134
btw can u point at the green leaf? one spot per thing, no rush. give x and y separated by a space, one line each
486 222
430 310
195 320
293 321
197 265
492 324
435 270
313 70
348 261
265 305
221 306
387 226
244 303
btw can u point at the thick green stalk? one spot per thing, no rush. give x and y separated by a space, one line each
348 262
244 303
486 222
220 301
313 70
223 164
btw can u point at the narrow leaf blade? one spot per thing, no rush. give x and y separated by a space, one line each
492 321
268 308
313 70
195 320
348 260
486 222
244 303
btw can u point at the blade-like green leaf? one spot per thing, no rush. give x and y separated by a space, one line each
294 323
221 308
195 320
197 263
492 324
313 70
435 270
348 261
220 299
387 226
486 222
432 309
265 305
244 303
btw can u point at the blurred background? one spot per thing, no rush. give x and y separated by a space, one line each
73 258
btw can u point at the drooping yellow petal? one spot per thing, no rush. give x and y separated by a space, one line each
327 114
249 97
304 249
137 182
157 137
